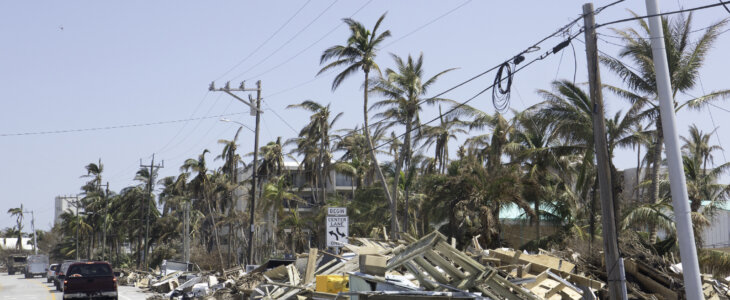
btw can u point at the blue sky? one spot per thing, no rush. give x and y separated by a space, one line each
85 64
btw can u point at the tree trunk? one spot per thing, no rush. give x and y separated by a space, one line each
407 161
215 233
638 173
230 242
393 205
537 217
398 161
655 174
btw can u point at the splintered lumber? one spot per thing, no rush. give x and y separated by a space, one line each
432 253
541 261
643 276
311 265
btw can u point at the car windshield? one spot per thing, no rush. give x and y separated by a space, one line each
54 267
19 259
89 270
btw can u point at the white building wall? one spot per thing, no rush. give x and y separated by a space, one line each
717 235
9 243
62 203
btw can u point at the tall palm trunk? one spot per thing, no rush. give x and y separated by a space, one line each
215 233
398 160
393 205
638 173
655 173
407 161
537 217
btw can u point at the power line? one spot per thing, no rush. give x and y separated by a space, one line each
267 71
725 6
185 124
288 41
663 14
428 23
265 41
215 103
703 92
643 38
114 126
271 109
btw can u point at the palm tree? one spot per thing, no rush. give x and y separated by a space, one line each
404 90
314 143
685 58
359 54
534 153
440 135
698 144
18 214
201 188
230 167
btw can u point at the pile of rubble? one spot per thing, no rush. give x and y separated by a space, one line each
428 268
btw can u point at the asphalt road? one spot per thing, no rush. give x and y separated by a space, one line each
16 287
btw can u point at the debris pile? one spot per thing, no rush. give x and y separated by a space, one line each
427 268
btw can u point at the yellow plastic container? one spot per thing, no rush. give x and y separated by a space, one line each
332 284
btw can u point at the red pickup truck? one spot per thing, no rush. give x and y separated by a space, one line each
90 280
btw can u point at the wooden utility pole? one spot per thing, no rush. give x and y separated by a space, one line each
146 206
614 263
255 110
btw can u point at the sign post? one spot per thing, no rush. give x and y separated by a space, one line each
337 226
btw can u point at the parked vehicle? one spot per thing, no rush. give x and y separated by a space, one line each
37 265
16 263
61 274
51 274
90 280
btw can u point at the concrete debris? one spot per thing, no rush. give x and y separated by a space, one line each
426 268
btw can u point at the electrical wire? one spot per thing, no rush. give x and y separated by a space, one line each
271 109
267 71
265 41
663 14
114 126
703 92
643 38
725 6
272 53
419 28
185 124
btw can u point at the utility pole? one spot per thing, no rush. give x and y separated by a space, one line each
106 212
146 206
614 263
678 185
32 227
255 110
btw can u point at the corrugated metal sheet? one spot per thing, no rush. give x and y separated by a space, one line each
717 235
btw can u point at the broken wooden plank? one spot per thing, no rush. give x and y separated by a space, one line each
311 266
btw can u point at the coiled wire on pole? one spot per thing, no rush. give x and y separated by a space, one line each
500 92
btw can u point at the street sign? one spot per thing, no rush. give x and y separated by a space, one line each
337 231
337 211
